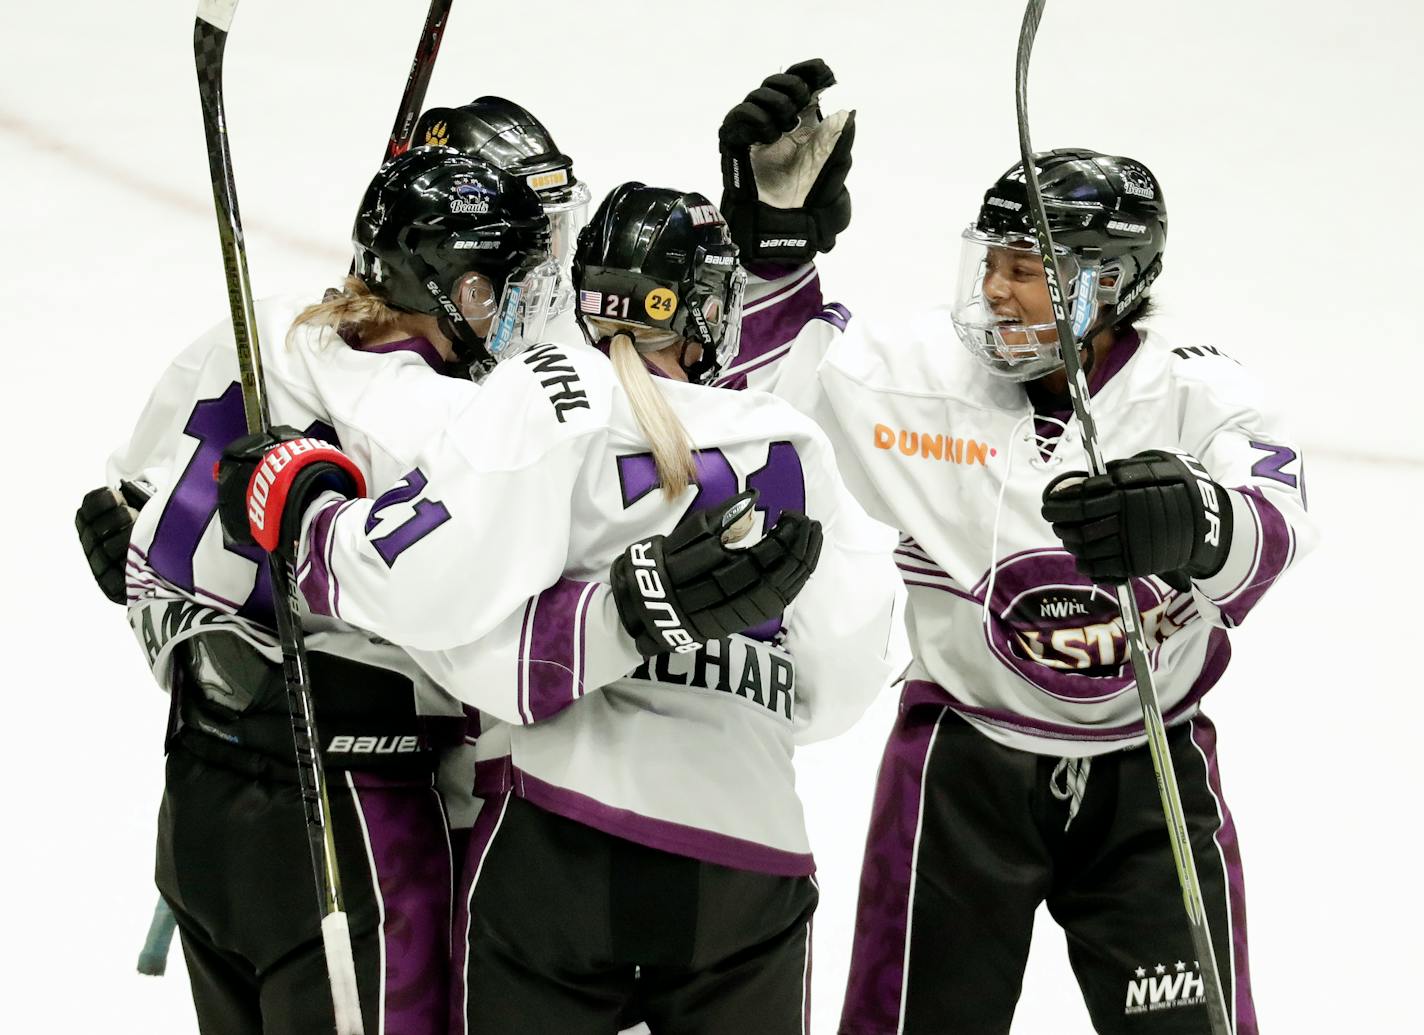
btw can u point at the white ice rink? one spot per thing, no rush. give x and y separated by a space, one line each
1287 138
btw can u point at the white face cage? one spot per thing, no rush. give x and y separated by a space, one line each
1009 348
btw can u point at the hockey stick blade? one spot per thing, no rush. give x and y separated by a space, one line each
153 957
210 30
1167 787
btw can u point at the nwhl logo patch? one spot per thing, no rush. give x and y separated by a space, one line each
1165 988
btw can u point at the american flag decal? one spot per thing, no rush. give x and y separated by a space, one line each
590 301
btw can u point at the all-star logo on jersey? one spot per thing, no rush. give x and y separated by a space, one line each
927 445
1165 987
1054 629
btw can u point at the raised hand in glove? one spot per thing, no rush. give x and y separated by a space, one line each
1156 513
105 521
676 592
267 480
784 168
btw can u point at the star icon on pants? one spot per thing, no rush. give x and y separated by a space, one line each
1141 971
1160 969
1181 966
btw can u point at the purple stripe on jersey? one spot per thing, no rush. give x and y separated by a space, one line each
477 848
555 648
777 323
876 981
737 380
418 346
521 668
944 589
1204 737
1218 654
1275 549
664 835
313 578
836 315
409 844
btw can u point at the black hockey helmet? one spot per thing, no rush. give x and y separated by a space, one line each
661 264
447 235
507 136
1109 226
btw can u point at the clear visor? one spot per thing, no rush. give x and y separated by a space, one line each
998 276
517 319
724 318
566 218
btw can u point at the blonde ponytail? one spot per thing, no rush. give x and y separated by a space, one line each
672 449
352 309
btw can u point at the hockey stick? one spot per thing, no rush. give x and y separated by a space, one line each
1167 788
153 958
210 30
413 99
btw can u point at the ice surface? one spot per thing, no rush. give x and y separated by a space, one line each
1284 136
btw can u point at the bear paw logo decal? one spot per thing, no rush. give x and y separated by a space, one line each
437 135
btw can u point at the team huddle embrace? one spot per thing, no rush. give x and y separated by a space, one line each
596 511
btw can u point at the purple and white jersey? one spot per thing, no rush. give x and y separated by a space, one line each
957 461
535 492
182 578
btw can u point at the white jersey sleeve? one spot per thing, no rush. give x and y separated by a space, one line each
565 642
478 524
1228 424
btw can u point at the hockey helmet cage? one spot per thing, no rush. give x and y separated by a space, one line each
1109 225
661 264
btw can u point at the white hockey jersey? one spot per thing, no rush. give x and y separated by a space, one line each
543 483
957 460
182 578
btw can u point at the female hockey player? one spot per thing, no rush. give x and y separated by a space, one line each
641 838
202 611
1016 773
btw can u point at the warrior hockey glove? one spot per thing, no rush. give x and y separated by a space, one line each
784 168
105 521
676 592
266 481
1157 513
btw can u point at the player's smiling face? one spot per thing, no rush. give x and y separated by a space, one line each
1016 289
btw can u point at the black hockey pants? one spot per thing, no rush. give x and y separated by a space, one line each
967 837
563 928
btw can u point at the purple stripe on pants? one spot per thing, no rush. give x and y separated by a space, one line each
882 920
409 845
481 835
1204 737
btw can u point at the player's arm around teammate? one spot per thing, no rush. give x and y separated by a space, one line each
232 854
678 774
1016 773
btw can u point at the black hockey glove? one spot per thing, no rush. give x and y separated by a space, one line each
266 481
1157 513
676 592
105 521
784 168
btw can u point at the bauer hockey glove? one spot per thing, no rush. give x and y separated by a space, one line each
676 592
267 479
105 521
784 168
1156 513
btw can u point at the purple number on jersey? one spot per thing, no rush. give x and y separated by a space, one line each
428 516
193 505
780 482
